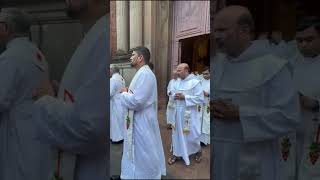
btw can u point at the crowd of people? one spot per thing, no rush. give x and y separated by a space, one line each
134 117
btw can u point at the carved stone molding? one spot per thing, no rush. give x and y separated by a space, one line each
191 18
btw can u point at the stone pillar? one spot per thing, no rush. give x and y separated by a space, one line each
122 25
136 23
148 25
113 28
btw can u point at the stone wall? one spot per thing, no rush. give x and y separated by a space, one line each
55 34
113 29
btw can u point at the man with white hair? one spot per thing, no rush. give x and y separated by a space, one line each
22 68
117 116
170 107
75 122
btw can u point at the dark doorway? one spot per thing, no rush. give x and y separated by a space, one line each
195 52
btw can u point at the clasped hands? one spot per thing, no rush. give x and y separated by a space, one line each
179 96
46 87
224 110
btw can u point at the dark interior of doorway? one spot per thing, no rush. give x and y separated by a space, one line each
195 51
279 15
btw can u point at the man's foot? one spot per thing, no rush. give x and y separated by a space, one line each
198 157
202 144
169 126
172 160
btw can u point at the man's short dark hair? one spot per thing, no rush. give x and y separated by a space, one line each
307 22
115 69
141 50
207 68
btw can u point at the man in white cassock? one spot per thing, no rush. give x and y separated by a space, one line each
22 68
117 116
75 122
143 155
186 129
170 106
306 65
205 108
255 107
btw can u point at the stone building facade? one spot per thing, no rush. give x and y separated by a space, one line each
168 28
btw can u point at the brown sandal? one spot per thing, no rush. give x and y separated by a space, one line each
172 160
198 157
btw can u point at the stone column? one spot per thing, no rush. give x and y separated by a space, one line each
136 23
122 25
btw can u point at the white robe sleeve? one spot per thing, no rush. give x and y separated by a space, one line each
278 117
79 127
142 95
197 96
169 88
9 80
113 88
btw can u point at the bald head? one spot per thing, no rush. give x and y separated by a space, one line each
183 70
184 66
233 27
236 14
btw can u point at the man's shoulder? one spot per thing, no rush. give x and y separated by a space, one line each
193 82
271 59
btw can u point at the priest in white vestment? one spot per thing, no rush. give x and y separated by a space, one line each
255 105
186 129
170 113
75 122
22 68
117 114
143 155
205 108
306 65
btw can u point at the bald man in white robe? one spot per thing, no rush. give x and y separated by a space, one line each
255 104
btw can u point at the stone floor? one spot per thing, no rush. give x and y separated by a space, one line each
176 171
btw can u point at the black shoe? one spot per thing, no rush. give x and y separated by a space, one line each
117 142
115 177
